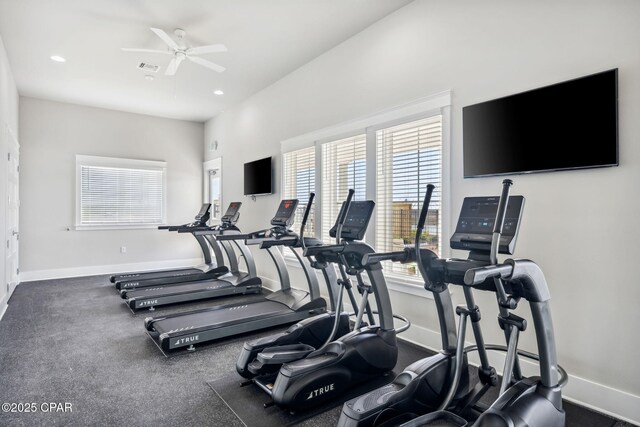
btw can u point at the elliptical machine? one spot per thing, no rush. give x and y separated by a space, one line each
439 385
261 359
368 351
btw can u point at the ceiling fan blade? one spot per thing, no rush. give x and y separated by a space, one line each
214 48
165 38
132 49
205 63
173 65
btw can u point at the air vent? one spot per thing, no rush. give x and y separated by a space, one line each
148 67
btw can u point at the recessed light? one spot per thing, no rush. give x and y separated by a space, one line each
218 92
58 58
149 77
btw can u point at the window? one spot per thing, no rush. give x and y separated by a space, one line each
299 179
409 156
390 157
343 167
119 193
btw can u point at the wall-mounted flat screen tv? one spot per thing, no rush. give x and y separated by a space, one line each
569 125
258 177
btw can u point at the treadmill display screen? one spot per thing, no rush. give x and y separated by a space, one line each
357 220
203 210
232 212
285 213
475 224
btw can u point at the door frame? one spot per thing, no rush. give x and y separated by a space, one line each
213 164
11 144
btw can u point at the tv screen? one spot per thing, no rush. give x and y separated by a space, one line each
257 177
569 125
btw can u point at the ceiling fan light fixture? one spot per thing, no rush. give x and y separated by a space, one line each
218 92
58 58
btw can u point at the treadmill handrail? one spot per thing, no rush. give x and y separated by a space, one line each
270 242
261 235
198 228
243 236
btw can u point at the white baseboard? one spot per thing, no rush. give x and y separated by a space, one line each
271 284
598 397
94 270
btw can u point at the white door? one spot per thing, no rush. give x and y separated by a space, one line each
12 234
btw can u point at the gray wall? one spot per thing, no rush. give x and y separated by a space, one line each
8 117
52 133
579 225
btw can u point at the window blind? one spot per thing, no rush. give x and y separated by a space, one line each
409 156
121 196
299 179
343 167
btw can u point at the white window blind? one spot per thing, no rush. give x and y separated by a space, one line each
119 192
409 156
299 179
343 167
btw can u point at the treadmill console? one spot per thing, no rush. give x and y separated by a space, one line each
475 224
357 220
232 214
285 214
203 215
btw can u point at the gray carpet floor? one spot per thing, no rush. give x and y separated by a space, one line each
74 341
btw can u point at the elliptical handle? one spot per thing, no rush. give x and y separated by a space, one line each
343 215
425 207
305 217
307 210
502 206
478 275
347 202
420 228
399 256
500 215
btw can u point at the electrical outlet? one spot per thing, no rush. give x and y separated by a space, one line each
123 249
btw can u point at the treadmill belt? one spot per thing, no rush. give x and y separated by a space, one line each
178 289
157 274
220 317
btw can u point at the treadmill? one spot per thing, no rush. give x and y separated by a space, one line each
234 282
200 220
208 270
284 306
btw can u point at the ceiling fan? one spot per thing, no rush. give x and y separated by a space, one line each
181 51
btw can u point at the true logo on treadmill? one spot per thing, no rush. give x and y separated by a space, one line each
187 340
322 390
148 303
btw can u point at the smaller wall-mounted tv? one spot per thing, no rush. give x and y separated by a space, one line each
569 125
258 177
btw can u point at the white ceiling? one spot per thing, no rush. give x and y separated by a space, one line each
267 39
